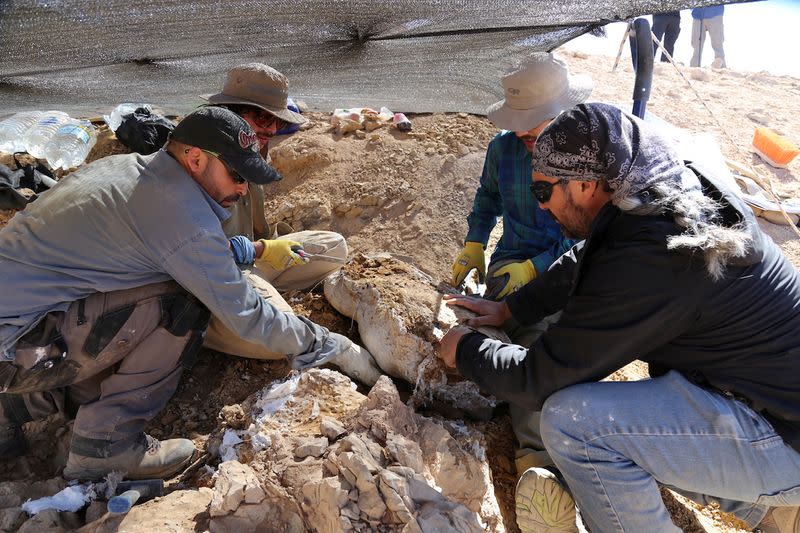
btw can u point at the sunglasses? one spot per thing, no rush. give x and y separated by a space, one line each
543 190
237 179
265 119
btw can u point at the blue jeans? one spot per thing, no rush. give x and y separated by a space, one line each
614 442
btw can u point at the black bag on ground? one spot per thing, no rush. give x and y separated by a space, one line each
36 179
143 131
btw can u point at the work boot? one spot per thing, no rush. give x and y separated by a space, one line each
780 520
148 458
359 364
12 443
543 503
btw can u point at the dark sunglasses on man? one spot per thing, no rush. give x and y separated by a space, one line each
237 179
264 119
543 190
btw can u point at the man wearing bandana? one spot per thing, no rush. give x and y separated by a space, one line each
675 272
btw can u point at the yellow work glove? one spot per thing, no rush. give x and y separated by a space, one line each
281 254
471 256
519 274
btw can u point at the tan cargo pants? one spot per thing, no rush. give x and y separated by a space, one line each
531 451
117 355
268 282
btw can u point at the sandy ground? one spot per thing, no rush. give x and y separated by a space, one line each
409 194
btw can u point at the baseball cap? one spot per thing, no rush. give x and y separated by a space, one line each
540 88
222 131
258 85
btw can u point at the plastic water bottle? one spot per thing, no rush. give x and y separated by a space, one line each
70 144
38 135
13 129
120 112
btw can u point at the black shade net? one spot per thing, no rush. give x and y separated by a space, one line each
86 56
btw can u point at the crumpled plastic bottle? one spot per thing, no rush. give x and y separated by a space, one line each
120 112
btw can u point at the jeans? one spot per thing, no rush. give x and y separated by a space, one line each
668 27
614 442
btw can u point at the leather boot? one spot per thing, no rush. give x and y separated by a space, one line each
780 520
147 458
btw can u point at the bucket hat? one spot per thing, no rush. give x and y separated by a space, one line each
538 89
258 85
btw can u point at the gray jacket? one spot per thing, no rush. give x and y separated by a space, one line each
130 220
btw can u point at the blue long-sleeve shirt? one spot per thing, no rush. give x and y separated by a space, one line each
529 232
701 13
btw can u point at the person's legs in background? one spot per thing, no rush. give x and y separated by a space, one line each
716 32
698 39
671 32
659 27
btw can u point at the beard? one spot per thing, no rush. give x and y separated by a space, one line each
227 201
575 221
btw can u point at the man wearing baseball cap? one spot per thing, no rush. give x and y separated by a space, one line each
260 95
110 281
536 92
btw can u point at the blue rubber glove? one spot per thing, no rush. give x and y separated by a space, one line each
244 253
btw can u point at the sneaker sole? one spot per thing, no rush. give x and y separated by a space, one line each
542 504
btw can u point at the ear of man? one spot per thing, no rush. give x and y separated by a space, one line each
191 158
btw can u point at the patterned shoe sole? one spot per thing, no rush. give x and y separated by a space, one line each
543 506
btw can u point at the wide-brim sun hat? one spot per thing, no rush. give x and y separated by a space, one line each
258 85
538 89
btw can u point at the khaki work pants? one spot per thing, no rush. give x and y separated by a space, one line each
268 282
117 355
716 31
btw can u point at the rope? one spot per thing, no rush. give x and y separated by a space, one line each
622 45
759 178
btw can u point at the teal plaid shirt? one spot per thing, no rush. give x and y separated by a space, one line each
529 232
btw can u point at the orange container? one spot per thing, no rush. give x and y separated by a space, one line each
776 150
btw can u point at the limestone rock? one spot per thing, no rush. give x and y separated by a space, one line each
331 428
321 503
311 447
236 483
177 512
11 518
278 511
389 466
49 521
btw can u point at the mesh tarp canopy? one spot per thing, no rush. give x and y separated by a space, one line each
85 56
